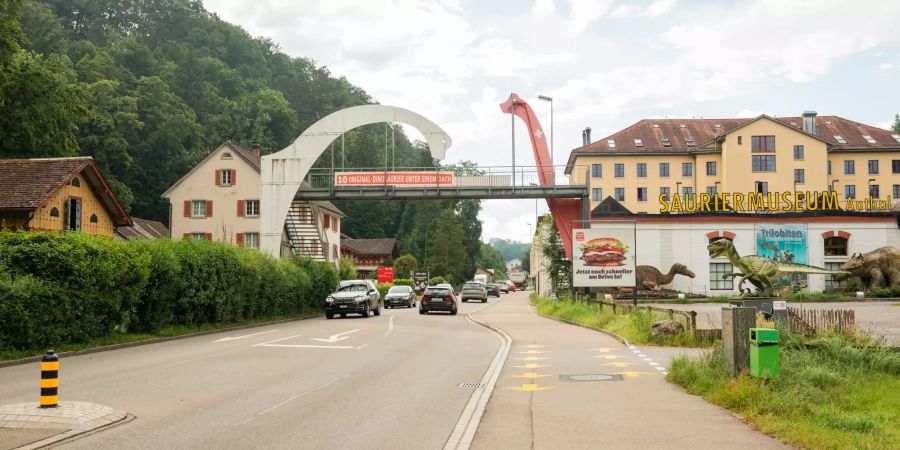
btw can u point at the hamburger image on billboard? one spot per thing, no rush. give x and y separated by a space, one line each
604 251
603 257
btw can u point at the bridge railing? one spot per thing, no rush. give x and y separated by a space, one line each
418 177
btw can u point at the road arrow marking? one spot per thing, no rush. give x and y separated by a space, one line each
530 375
633 374
335 337
276 340
609 356
529 388
620 364
229 338
532 366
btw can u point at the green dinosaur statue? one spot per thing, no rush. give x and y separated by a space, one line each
759 270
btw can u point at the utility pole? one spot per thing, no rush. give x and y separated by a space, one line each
512 118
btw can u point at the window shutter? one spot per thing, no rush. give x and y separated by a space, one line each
240 208
233 177
327 220
186 236
240 239
209 208
187 208
208 236
218 177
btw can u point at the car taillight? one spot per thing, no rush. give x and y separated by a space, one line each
448 298
424 298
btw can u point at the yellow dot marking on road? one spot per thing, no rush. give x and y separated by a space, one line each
609 356
531 358
620 364
633 374
528 388
532 352
530 375
532 366
604 350
534 346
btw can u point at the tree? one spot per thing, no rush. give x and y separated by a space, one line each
446 254
490 258
526 260
896 127
558 267
404 266
11 36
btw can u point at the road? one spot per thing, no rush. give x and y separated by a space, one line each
393 382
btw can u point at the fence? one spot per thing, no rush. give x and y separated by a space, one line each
690 317
812 321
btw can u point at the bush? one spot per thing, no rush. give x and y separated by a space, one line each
383 288
437 280
323 276
402 282
887 292
346 269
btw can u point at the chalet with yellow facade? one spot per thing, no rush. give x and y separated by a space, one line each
58 194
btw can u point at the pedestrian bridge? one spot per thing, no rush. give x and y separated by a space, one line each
497 182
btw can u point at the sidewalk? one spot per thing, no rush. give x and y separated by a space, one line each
26 426
625 402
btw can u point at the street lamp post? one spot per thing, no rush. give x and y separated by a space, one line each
552 135
529 230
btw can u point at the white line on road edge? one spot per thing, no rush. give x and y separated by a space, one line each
464 432
390 327
304 346
229 338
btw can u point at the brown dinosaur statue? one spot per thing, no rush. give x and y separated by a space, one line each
878 268
650 278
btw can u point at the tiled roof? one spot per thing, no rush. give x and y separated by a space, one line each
247 155
142 228
330 206
651 133
386 246
28 183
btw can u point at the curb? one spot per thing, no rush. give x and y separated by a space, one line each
606 332
106 348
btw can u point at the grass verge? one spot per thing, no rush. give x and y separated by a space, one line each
834 392
635 327
116 337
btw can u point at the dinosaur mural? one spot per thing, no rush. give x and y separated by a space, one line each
650 278
878 268
759 270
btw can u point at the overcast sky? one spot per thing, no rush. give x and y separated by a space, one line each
606 63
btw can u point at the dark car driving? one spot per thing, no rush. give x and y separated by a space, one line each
353 297
493 289
400 296
437 299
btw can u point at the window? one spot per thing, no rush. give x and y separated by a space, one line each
664 193
611 143
664 169
638 142
642 170
687 191
620 194
895 166
597 194
73 214
873 191
597 170
620 170
198 236
711 190
717 281
762 144
687 169
225 177
689 142
835 246
849 167
896 191
710 167
849 191
829 167
799 176
830 284
251 240
251 208
334 223
76 182
198 208
798 153
54 212
740 140
763 163
642 194
666 142
94 218
762 187
839 139
873 167
226 155
869 139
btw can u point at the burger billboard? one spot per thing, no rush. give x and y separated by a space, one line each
603 257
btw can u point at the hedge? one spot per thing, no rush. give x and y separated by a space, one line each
58 288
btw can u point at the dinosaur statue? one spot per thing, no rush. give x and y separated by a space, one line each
758 270
878 268
650 278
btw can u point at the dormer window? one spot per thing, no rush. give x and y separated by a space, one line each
689 142
655 125
839 139
666 142
683 126
611 143
869 139
226 155
638 142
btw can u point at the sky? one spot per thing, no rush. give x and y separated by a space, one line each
605 63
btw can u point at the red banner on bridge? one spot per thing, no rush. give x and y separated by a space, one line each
393 178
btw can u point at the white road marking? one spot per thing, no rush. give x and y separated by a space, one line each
277 340
390 327
660 368
647 359
304 346
642 355
295 397
632 347
361 346
654 364
335 337
464 431
229 338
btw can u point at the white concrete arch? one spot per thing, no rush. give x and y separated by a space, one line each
283 172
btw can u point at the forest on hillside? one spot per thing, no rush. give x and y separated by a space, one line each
149 87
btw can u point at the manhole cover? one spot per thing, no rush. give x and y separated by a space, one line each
470 385
591 377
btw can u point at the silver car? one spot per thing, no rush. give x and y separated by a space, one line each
474 290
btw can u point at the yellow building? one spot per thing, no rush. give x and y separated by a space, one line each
58 194
810 153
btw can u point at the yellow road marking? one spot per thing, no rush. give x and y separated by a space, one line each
529 388
530 358
531 375
534 346
609 356
633 374
604 350
532 352
532 366
620 364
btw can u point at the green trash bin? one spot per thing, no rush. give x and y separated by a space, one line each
765 353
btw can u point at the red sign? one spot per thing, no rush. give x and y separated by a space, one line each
393 178
385 274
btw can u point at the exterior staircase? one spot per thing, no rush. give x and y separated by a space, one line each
305 232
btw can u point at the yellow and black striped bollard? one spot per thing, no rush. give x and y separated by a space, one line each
50 380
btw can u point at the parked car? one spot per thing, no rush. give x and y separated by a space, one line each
400 296
473 290
353 297
504 288
493 289
437 299
511 286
